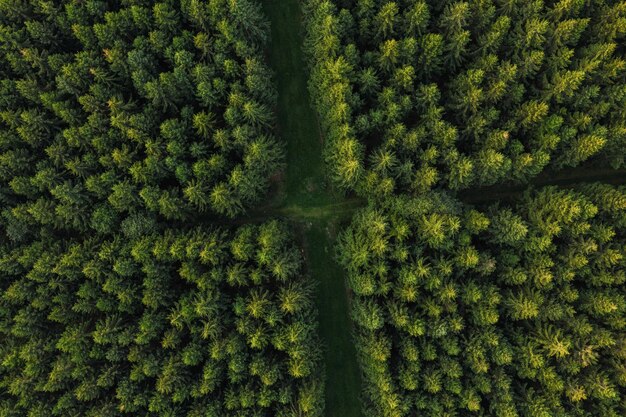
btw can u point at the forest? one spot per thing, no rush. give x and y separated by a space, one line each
511 308
260 208
508 311
203 323
165 110
130 132
415 95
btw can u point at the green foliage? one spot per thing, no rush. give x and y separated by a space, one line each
126 127
109 99
517 311
154 324
415 95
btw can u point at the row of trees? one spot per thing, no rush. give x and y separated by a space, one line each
198 323
512 311
419 94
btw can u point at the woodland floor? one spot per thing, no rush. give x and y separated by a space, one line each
303 197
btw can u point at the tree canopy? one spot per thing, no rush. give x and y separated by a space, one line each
128 131
110 108
418 94
134 134
198 323
510 311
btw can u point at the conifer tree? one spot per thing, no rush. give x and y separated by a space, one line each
516 311
499 91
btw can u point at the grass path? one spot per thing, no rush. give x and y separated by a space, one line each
343 382
564 177
304 183
312 207
323 207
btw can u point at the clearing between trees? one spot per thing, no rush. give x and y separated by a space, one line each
312 207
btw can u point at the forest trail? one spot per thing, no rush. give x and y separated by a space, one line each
563 177
327 206
314 210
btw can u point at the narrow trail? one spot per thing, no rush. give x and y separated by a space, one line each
342 209
327 206
564 177
309 204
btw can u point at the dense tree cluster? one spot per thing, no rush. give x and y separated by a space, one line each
125 128
200 323
517 310
416 94
111 107
513 311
